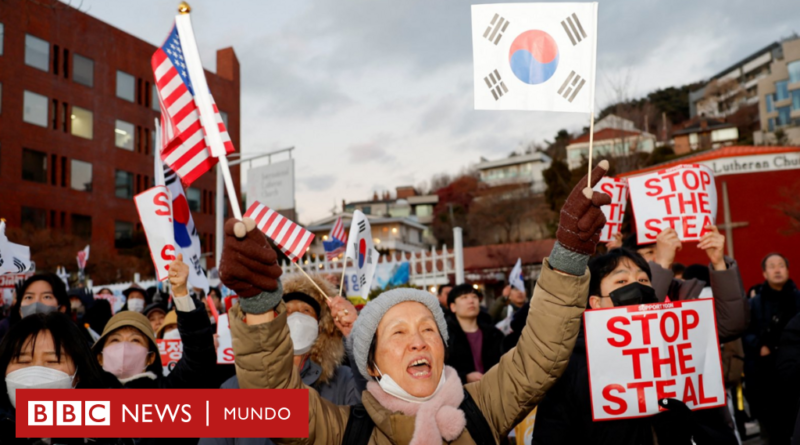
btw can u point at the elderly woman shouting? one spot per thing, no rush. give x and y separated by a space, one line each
399 342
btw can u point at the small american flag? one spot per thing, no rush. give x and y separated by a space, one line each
184 147
338 241
292 239
83 257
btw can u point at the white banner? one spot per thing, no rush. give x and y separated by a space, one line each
682 197
638 355
272 185
225 348
155 211
534 56
617 189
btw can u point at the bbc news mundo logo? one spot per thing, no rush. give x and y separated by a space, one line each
69 413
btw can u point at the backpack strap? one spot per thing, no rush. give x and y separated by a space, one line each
477 425
359 426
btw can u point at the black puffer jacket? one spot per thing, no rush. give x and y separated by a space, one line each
460 353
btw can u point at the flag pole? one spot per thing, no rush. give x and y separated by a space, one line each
202 97
311 280
344 268
591 96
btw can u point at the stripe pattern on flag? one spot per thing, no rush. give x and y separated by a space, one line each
292 239
338 243
184 146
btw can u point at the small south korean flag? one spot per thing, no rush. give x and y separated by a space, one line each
535 56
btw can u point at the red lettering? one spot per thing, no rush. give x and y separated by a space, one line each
640 387
706 222
607 188
227 353
675 326
168 253
644 320
683 357
705 178
661 389
614 399
68 415
654 226
703 398
702 199
672 220
690 174
39 412
666 199
91 414
626 336
688 325
162 201
620 189
612 214
636 353
692 201
689 394
688 223
658 362
652 184
671 178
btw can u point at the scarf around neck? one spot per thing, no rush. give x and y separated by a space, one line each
436 419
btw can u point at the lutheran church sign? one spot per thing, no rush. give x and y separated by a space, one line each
753 164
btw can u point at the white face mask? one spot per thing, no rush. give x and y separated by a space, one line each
174 334
391 387
304 330
36 377
136 305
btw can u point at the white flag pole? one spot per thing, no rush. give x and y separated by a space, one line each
158 164
202 97
591 95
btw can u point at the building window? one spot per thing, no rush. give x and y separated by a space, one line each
80 176
193 197
770 106
126 86
794 71
781 90
2 32
124 184
784 116
154 101
35 217
795 99
81 226
424 210
37 52
771 124
34 109
123 135
81 122
1 97
83 70
224 116
34 166
123 234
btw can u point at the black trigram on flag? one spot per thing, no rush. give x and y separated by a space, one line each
362 226
19 265
495 84
574 29
494 32
570 88
362 280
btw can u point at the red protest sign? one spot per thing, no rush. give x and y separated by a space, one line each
617 189
683 198
171 352
638 355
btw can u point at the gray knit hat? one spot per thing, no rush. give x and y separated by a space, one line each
367 322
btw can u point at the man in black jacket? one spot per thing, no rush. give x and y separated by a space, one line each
475 346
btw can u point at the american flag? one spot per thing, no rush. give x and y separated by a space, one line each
83 257
338 241
292 239
184 147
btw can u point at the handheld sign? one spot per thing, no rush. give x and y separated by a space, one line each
225 348
155 211
171 352
638 355
617 189
682 197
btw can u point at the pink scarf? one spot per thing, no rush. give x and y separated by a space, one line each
438 418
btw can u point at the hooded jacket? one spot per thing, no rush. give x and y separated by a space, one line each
506 394
732 309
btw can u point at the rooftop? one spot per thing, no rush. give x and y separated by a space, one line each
726 152
514 160
606 133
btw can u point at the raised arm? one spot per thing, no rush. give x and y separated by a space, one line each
513 387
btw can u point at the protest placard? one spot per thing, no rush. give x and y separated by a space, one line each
171 352
617 189
225 342
682 197
155 211
638 355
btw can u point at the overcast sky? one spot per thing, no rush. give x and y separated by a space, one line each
378 93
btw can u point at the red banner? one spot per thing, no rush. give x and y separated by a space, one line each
166 413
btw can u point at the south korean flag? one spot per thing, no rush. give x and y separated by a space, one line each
535 56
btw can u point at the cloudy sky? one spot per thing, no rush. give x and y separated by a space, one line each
378 93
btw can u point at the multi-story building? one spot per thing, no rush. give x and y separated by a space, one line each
516 169
77 124
703 133
408 203
734 87
779 98
613 136
390 234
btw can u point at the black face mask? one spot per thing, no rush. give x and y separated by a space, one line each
633 294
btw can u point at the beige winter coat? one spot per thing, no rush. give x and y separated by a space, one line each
505 395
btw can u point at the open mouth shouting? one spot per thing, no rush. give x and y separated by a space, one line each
419 368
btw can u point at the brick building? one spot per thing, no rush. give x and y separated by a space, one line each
77 109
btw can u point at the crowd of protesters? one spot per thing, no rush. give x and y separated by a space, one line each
412 367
